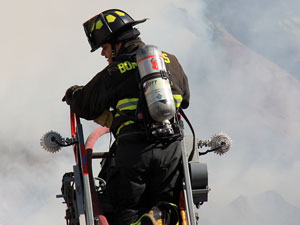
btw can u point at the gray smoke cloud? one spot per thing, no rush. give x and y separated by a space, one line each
235 88
270 28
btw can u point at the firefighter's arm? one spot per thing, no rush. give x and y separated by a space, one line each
91 100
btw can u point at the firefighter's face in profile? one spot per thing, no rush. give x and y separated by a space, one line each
107 53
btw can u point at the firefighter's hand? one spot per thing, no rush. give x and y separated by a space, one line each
70 93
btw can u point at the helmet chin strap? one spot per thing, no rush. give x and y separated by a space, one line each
113 50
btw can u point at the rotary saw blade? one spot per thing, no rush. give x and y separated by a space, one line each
50 141
221 142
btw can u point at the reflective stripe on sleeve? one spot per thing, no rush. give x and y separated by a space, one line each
178 100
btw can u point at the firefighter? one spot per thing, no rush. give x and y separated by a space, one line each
144 184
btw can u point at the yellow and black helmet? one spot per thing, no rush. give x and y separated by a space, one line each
106 26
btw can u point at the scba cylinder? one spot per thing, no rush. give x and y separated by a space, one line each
155 82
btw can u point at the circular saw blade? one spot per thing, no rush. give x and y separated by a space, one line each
49 141
221 142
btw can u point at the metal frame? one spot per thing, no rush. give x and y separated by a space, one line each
187 188
86 217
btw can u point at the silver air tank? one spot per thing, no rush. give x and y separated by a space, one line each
155 82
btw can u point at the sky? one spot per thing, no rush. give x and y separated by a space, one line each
234 89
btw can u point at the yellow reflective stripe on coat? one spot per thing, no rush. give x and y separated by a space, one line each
124 124
178 100
127 104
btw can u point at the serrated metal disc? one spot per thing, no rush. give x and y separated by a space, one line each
221 142
49 141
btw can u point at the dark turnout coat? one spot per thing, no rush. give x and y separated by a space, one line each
116 86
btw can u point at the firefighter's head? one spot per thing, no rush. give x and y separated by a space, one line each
110 27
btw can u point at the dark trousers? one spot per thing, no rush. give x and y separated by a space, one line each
145 173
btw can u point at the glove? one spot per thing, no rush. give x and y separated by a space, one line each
70 93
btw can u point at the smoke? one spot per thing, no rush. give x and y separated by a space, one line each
271 29
240 92
235 88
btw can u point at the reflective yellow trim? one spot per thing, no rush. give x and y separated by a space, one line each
120 13
176 209
76 89
110 18
99 24
127 104
158 221
139 220
130 107
178 100
92 28
124 124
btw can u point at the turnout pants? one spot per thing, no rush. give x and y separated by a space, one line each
145 173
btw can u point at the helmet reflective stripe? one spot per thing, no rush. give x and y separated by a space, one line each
106 24
99 24
178 100
120 13
110 18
